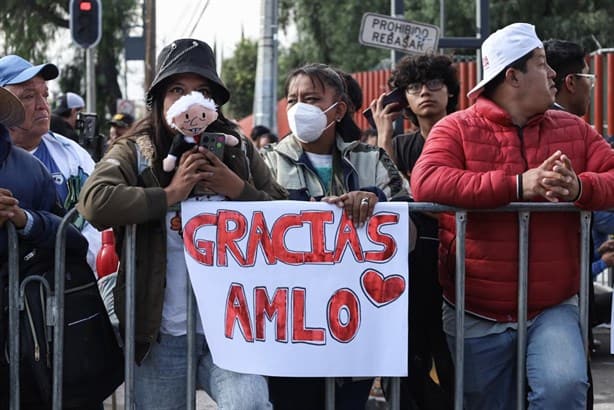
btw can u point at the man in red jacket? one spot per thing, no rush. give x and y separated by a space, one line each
509 147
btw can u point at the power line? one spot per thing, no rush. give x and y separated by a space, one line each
189 23
206 4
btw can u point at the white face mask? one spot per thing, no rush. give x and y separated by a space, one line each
307 121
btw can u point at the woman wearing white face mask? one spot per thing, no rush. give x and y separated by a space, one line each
323 160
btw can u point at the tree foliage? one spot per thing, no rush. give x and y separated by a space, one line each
239 75
328 33
34 28
583 21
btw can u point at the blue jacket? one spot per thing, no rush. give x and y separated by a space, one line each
29 181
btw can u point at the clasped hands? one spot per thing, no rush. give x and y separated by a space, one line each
554 180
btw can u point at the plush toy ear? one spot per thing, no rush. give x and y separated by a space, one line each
231 140
168 164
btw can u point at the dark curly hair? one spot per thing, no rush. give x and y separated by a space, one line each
413 69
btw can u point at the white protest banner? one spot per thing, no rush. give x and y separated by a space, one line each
288 288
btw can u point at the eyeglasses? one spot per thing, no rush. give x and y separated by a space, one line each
435 84
590 77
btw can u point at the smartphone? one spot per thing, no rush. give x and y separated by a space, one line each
86 126
214 142
395 96
88 135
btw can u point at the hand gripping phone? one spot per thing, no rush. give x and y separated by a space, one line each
214 142
395 96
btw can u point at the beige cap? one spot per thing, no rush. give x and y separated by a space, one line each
11 109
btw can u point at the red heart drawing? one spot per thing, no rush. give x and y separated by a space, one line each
381 291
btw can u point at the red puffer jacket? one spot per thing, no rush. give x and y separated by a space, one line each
470 160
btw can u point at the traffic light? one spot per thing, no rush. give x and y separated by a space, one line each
85 22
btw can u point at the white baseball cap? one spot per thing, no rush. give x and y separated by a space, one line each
69 101
502 48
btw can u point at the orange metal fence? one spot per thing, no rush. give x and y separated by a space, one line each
602 65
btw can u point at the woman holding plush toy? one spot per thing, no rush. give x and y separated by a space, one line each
130 186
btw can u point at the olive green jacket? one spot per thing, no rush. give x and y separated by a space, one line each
126 188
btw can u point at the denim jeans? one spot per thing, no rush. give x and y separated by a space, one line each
556 365
161 380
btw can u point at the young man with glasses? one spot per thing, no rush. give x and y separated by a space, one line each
431 90
573 82
574 87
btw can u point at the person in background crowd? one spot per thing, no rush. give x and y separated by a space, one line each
574 86
261 136
603 259
64 116
509 146
430 87
120 124
29 200
129 186
28 197
431 90
67 162
323 160
573 81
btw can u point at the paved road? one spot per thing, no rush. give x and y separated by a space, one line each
602 366
603 371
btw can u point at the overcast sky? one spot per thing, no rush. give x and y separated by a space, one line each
221 23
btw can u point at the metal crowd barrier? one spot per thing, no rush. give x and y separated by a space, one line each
57 306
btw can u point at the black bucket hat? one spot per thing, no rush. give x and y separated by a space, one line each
188 55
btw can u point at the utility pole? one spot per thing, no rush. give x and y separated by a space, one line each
90 67
482 31
150 41
265 94
396 10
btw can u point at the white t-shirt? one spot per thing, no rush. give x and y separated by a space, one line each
174 309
